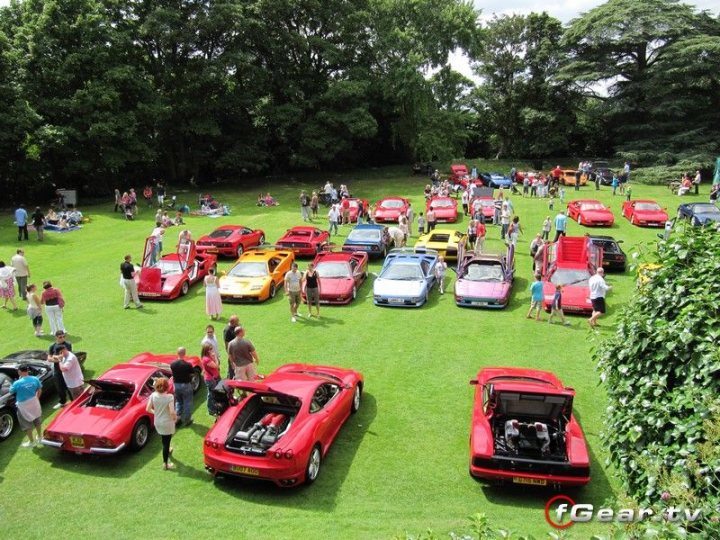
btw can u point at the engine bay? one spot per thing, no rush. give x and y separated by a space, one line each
529 438
259 425
105 399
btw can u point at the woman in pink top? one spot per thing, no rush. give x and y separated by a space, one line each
211 374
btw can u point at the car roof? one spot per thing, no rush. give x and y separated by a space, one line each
644 200
580 201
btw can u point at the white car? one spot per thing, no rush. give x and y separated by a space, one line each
406 278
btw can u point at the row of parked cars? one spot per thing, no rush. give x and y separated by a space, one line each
280 427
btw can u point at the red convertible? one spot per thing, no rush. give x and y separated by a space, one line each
284 427
523 430
390 208
172 275
230 240
109 415
341 274
590 212
304 241
644 212
445 209
570 262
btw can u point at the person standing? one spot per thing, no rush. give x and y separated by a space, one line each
304 205
465 200
539 257
560 225
497 205
311 282
161 405
480 232
626 172
431 219
38 221
421 224
54 357
34 310
514 230
72 372
213 301
404 227
472 231
536 298
128 277
160 190
7 285
696 182
228 336
535 244
333 218
22 272
546 228
293 280
21 219
211 374
27 390
410 218
556 307
118 199
243 356
440 270
504 221
598 290
314 204
210 339
182 373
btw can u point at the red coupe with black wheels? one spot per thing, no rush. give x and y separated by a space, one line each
340 275
230 240
163 361
644 213
284 426
445 209
109 415
304 241
523 430
591 213
389 209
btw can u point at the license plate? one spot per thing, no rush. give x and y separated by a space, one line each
251 471
238 296
529 481
396 300
77 442
150 294
210 250
479 303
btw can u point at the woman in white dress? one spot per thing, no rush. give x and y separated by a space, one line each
162 406
213 302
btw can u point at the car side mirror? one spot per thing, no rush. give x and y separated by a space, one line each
473 381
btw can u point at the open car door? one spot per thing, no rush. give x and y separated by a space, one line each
510 263
460 256
148 258
150 281
595 254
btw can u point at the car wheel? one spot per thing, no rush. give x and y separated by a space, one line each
7 423
312 471
195 380
240 250
679 215
262 240
272 290
357 398
184 288
140 435
354 293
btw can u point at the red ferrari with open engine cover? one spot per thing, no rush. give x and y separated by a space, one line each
284 426
230 240
173 274
523 430
340 275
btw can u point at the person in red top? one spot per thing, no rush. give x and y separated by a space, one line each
556 174
480 232
211 373
345 207
148 195
54 304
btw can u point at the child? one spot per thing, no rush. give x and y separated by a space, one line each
551 203
547 225
628 193
614 183
562 194
557 306
421 224
536 297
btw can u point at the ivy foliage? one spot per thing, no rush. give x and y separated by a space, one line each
661 370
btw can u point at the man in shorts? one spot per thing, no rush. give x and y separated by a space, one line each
71 371
536 297
27 390
293 279
598 290
228 336
243 356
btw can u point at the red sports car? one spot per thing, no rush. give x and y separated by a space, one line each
570 262
390 208
109 415
230 240
163 361
644 212
354 206
445 209
172 275
341 274
460 176
485 205
590 212
306 241
285 425
523 430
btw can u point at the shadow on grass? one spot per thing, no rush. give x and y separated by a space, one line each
320 496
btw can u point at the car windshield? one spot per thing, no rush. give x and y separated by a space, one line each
487 203
567 276
364 235
484 271
402 272
249 269
168 268
608 246
647 206
299 233
592 206
222 233
353 204
333 270
706 209
442 203
392 203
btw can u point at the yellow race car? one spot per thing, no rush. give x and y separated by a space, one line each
256 275
444 241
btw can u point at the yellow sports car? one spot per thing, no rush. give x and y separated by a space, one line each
444 241
256 275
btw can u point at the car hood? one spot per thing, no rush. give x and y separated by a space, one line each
484 289
443 211
336 286
596 214
351 242
96 421
388 211
572 295
651 215
389 287
240 284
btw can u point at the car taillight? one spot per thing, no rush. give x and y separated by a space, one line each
278 454
289 454
52 436
211 444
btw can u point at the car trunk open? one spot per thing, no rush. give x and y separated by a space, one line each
109 394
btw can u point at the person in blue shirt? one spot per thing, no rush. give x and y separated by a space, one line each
615 183
21 219
536 297
27 390
560 225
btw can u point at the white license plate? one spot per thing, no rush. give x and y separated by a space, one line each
478 303
396 301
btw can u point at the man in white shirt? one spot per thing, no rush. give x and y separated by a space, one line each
598 290
293 281
333 218
22 272
210 339
71 371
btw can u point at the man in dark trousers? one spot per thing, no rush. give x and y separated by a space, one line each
55 357
182 372
228 336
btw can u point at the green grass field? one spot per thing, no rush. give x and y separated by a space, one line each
400 464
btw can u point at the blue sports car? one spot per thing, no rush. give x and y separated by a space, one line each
699 214
496 180
406 278
370 238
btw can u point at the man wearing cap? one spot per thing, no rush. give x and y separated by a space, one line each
243 356
292 288
54 357
182 373
71 371
27 390
598 290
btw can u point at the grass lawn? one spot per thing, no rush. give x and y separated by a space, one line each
400 464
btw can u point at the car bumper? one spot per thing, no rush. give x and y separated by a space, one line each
242 298
284 473
614 266
489 303
523 478
158 296
221 251
371 250
85 450
570 309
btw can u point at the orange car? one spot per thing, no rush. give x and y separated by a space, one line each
568 178
256 275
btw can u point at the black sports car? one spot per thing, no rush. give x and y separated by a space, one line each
38 366
699 213
613 257
601 169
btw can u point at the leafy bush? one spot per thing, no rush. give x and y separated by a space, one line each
661 372
666 173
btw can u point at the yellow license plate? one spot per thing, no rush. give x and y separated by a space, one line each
251 471
77 442
530 481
